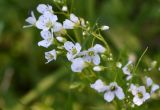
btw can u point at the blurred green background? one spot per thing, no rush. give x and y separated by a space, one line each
27 83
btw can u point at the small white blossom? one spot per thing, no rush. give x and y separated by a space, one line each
140 94
149 83
69 24
127 70
105 28
42 8
77 65
51 55
73 50
48 39
64 8
92 54
113 90
49 21
31 20
98 86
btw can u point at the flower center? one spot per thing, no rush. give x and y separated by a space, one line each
74 51
113 88
49 24
140 95
50 56
91 53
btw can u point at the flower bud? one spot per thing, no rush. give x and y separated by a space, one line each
65 8
61 39
98 68
119 64
104 28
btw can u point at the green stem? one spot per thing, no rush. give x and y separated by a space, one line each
140 59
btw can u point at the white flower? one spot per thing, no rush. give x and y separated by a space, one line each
48 21
113 90
103 28
69 24
48 39
150 84
51 55
73 50
64 8
98 86
42 8
140 94
31 20
92 54
77 65
127 70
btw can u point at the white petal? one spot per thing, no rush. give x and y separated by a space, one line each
53 18
96 59
137 101
99 48
142 89
99 86
32 19
40 24
87 58
125 69
78 47
133 89
109 96
74 18
119 93
77 65
57 27
68 46
70 56
154 88
67 24
113 84
146 96
42 8
44 43
46 34
149 81
129 77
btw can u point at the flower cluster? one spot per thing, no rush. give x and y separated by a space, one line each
51 28
54 33
143 93
110 91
